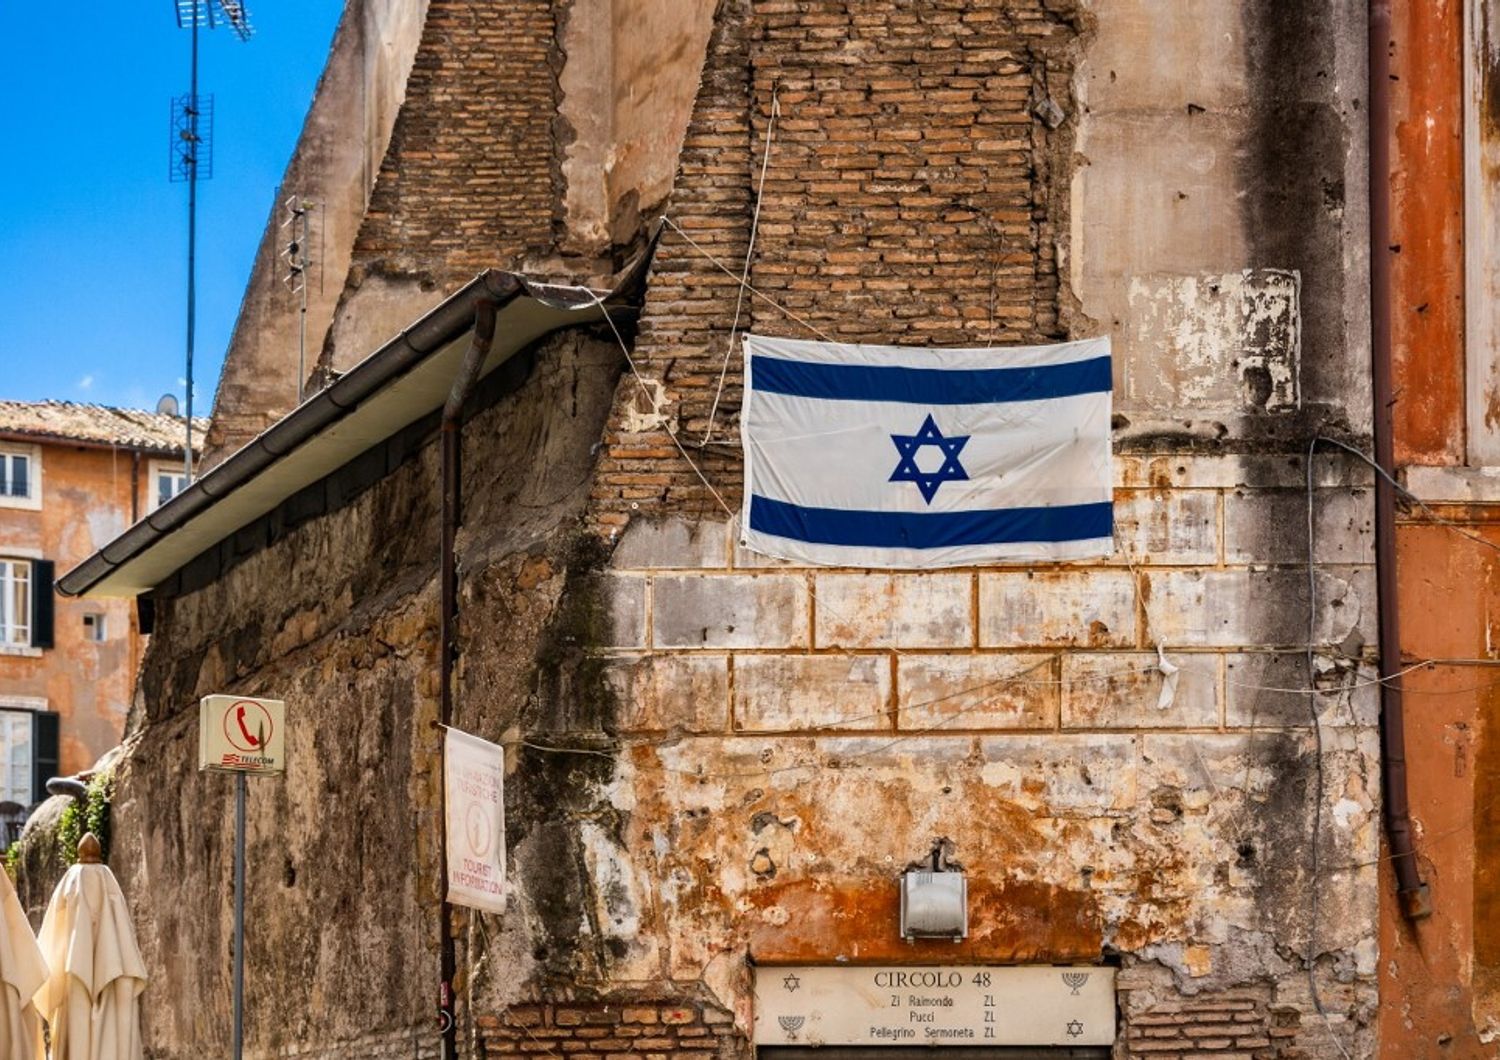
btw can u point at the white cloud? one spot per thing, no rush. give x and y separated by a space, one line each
86 382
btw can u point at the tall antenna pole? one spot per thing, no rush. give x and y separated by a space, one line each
191 159
192 254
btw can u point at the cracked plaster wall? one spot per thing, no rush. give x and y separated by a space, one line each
755 750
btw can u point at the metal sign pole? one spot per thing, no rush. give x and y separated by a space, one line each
240 787
242 735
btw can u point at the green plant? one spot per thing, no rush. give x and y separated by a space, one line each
13 860
88 814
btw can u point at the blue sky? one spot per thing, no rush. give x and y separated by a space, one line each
93 237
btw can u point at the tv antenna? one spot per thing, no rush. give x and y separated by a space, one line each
192 160
298 254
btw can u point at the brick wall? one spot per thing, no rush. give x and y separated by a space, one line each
469 179
908 199
629 1030
1229 1027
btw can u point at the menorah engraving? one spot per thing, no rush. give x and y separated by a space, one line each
1075 980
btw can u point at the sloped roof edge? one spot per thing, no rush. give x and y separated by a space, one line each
394 386
87 424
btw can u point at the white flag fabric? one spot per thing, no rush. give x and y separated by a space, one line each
474 789
887 456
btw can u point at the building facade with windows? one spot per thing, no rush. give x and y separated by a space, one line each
72 477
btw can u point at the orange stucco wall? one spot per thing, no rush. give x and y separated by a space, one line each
1440 978
86 502
1427 226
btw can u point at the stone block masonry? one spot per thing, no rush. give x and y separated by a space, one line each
741 643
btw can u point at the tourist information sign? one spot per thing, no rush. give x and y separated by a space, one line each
474 800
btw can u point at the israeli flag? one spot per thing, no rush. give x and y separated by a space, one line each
884 456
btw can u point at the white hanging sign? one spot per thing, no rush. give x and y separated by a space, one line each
474 789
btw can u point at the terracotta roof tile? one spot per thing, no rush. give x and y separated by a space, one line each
99 424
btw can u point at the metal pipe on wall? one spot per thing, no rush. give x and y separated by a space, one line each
1412 892
451 438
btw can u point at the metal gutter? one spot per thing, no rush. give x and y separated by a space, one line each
1412 892
434 333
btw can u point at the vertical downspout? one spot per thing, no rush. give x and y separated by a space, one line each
1412 893
451 438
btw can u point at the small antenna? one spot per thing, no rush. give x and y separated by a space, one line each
298 255
191 148
211 13
167 405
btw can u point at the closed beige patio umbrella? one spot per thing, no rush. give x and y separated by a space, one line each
91 1000
22 973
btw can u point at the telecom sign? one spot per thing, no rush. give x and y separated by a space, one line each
237 734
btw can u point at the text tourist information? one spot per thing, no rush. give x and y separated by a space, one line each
474 783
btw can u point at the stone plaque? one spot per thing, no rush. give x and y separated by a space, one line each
948 1005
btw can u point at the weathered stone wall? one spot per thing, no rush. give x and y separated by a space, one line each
716 756
794 737
791 738
334 165
339 617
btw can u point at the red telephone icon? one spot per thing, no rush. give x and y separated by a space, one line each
239 717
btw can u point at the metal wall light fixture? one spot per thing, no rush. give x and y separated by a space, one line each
935 898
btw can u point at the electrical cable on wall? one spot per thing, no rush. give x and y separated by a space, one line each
739 300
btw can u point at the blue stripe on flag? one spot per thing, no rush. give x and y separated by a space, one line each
838 526
928 386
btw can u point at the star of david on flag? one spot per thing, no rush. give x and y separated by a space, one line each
928 481
884 456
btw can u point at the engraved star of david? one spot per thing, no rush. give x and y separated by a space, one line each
791 982
1075 1029
909 445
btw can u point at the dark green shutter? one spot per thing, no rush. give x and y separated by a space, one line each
44 752
41 603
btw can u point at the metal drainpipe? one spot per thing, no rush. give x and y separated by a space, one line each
451 437
1416 901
